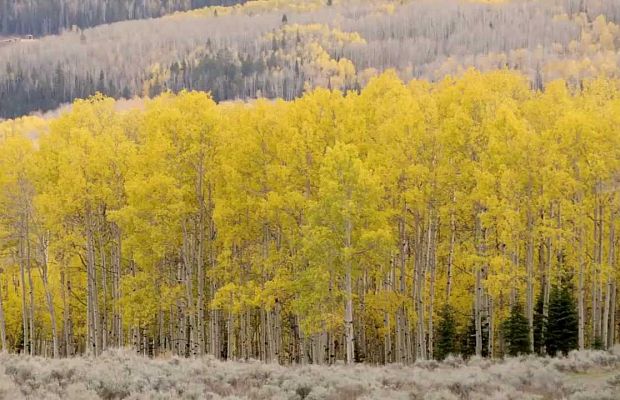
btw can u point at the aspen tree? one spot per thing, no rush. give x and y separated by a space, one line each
347 214
331 227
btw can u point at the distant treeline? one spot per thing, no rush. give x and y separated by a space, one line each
44 17
276 49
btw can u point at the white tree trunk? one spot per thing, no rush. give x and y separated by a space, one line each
609 288
580 293
48 296
22 273
2 323
348 311
529 261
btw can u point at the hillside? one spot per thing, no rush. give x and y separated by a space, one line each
313 199
48 17
281 48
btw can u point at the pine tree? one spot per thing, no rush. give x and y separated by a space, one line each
516 332
446 333
561 331
468 338
598 343
539 327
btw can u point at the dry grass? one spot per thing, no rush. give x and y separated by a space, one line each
119 374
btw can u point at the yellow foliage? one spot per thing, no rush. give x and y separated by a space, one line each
264 211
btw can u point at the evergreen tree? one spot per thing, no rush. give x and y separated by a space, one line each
468 338
561 331
539 326
598 343
446 333
516 332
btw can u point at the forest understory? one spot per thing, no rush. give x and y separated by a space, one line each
121 374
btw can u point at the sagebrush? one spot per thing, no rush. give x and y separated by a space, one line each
119 374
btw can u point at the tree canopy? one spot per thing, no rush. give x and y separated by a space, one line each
334 226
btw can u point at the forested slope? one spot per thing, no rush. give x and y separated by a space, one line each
45 17
281 48
413 220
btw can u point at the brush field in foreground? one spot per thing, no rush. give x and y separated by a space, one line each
119 374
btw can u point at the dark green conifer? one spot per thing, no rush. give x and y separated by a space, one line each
468 338
539 326
446 333
561 333
516 332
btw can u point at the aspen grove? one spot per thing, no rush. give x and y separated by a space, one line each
337 226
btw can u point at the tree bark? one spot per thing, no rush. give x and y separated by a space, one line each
598 248
612 318
200 247
431 266
491 324
22 272
104 286
2 322
189 296
92 292
580 292
478 295
401 318
31 286
66 314
451 251
608 293
48 296
387 337
348 313
529 261
117 323
420 277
